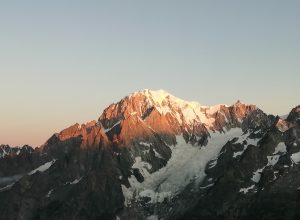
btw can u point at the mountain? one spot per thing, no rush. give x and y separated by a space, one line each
7 151
154 156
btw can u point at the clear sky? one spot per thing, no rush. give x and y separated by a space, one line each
63 62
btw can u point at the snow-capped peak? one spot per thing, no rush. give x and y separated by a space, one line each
159 97
164 102
185 114
191 111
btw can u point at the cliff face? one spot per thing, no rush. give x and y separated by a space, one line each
153 155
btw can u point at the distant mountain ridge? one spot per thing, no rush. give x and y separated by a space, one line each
155 156
8 151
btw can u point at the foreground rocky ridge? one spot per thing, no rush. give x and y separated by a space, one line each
155 156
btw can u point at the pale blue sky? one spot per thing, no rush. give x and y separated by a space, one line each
62 61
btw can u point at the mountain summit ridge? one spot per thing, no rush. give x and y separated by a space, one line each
150 106
162 100
152 155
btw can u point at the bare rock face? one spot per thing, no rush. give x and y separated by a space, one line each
294 116
89 135
283 125
153 155
133 129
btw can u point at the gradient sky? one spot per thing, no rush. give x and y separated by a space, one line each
63 62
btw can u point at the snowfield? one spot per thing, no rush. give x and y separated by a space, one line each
186 165
43 167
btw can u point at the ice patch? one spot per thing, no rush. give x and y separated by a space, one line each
107 130
76 181
245 137
7 187
296 157
281 148
239 153
242 138
257 175
272 160
145 144
208 186
49 193
246 190
213 164
133 113
43 167
256 132
157 154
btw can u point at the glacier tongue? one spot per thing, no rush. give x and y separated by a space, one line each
186 165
